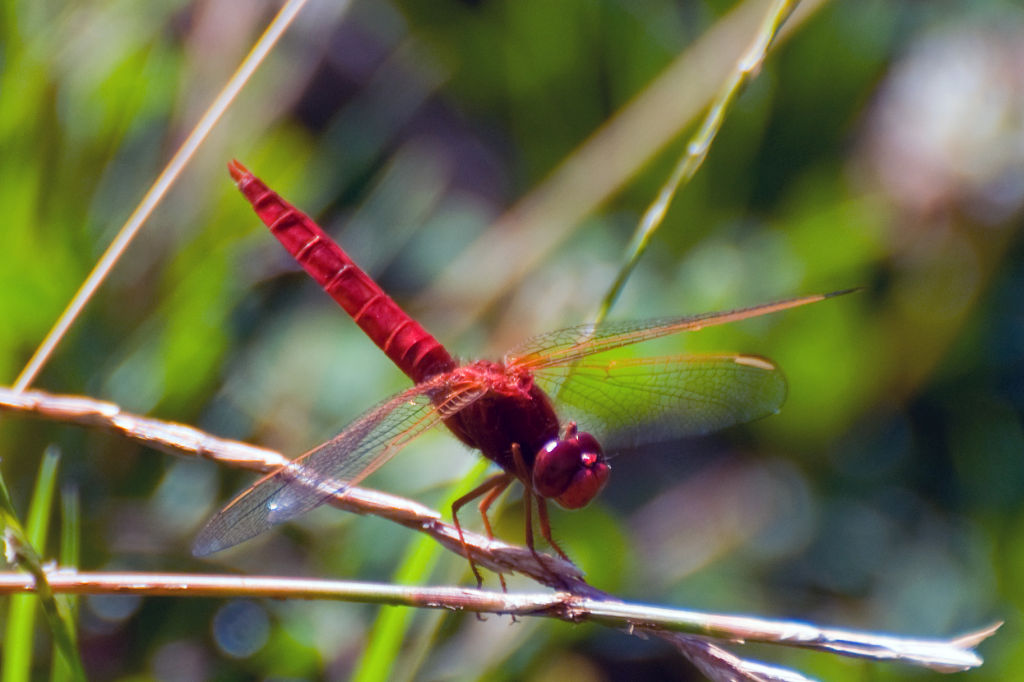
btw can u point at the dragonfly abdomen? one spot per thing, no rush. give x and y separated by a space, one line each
414 350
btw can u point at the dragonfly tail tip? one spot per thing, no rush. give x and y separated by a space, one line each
237 170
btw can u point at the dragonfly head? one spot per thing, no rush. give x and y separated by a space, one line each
571 470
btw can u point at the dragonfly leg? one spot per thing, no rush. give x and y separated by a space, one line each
503 481
524 476
545 527
542 511
485 504
497 482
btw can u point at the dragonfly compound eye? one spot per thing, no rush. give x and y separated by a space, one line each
570 470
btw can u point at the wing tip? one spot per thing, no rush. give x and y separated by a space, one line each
205 546
214 537
841 292
755 361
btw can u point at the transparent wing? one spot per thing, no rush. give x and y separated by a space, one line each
569 345
634 401
310 480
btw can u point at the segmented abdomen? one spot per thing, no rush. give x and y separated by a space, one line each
402 339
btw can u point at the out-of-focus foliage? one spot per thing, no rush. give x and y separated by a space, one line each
881 146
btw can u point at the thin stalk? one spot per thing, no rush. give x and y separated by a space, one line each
157 191
941 655
684 629
697 148
181 439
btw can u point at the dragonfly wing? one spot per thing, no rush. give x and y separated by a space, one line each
312 479
634 401
565 346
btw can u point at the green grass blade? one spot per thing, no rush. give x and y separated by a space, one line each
70 546
392 624
21 617
697 148
42 499
71 527
20 544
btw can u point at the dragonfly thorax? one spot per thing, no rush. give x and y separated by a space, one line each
497 377
513 412
571 469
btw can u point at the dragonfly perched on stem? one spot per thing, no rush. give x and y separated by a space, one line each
509 410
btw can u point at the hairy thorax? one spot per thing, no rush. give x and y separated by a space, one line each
514 410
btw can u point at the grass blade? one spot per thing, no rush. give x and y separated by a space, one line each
20 544
698 146
70 545
159 188
390 628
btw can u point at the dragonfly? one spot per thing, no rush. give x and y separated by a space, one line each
510 409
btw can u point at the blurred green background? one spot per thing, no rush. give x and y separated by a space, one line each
475 158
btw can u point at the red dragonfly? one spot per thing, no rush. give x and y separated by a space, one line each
509 409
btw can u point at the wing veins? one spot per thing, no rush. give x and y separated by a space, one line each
568 345
690 395
377 434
